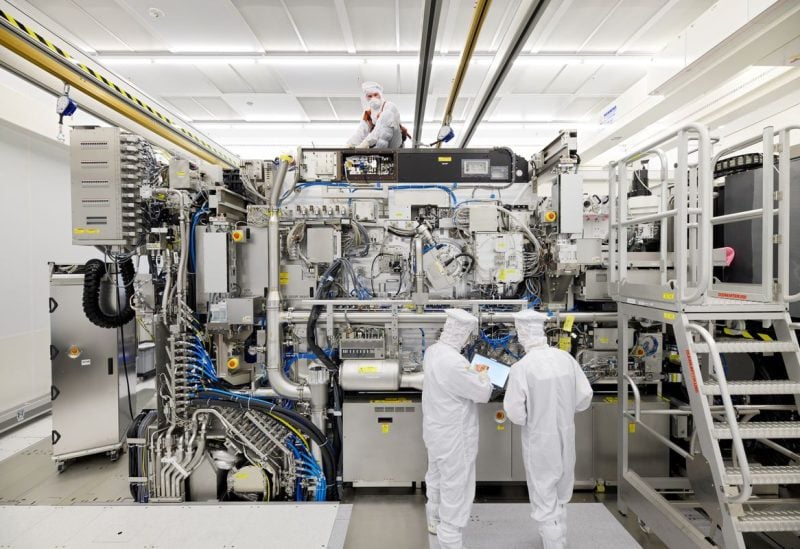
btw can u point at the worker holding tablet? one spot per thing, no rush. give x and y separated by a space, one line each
545 390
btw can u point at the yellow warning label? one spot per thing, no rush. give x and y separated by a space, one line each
603 339
284 278
668 296
385 428
631 428
747 335
505 274
729 332
569 322
670 316
363 370
565 343
445 159
79 230
765 337
501 427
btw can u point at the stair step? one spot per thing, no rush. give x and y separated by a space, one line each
760 429
759 387
769 521
765 474
748 346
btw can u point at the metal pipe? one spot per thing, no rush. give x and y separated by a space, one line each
427 46
767 218
412 380
419 274
435 317
277 379
660 216
739 216
478 18
672 446
518 41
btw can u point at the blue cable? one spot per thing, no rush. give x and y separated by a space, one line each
195 221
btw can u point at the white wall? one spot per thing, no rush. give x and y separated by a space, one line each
36 226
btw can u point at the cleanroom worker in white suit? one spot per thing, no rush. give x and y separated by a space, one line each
451 391
545 390
380 125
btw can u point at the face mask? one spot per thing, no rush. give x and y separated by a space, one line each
375 104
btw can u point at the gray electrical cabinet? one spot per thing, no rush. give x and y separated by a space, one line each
89 389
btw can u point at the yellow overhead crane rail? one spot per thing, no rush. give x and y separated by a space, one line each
35 48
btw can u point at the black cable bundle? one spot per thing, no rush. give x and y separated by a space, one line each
95 270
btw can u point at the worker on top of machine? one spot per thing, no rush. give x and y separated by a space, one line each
451 390
380 126
545 390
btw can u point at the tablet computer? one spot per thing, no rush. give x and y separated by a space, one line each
498 372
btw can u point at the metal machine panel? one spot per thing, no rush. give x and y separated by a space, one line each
320 244
383 441
567 193
214 262
90 399
494 445
647 457
96 186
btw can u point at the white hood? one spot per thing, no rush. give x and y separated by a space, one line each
530 329
457 328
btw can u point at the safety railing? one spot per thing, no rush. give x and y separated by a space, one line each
690 215
717 372
785 210
636 417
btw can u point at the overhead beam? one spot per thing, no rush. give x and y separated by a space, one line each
490 89
344 22
430 25
30 52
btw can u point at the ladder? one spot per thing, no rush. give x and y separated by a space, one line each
733 506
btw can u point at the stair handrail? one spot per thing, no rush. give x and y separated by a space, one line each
784 211
746 491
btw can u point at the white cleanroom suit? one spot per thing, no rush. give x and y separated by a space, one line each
380 126
545 389
450 392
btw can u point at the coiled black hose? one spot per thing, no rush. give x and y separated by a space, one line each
95 270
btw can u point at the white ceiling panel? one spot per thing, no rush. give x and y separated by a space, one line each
225 78
571 79
373 24
218 108
168 79
318 24
528 107
266 106
78 22
623 23
270 24
189 107
317 108
577 24
410 24
529 79
110 15
441 103
328 79
261 78
671 24
613 80
582 108
199 25
442 79
347 107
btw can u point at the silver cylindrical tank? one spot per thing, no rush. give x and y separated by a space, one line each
370 375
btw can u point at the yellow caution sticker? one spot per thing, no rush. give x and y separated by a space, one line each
670 316
747 335
79 230
565 343
501 427
668 296
632 428
393 400
569 322
603 339
365 370
445 159
385 428
284 278
765 337
729 332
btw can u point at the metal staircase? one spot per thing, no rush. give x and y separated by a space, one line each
722 478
